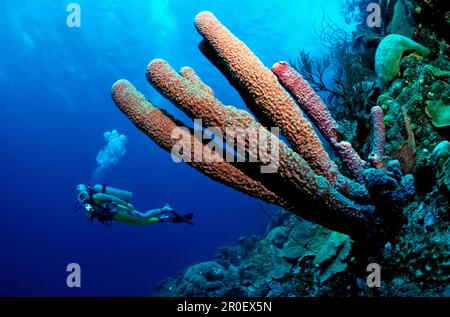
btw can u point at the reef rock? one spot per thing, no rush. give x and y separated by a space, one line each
315 261
203 279
441 162
278 236
331 258
395 221
295 252
411 134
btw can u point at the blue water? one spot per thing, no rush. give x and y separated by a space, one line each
55 106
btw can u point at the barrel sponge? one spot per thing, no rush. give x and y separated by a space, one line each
390 52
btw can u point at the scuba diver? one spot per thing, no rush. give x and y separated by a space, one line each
106 204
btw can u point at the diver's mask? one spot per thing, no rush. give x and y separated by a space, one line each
82 193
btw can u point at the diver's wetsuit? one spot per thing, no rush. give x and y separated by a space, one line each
124 212
107 204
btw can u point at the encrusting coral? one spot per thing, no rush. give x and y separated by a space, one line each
411 135
291 252
306 182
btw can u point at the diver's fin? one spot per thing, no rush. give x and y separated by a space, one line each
189 216
182 218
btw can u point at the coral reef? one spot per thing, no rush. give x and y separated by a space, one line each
424 21
441 161
293 256
392 211
431 18
298 258
411 135
306 181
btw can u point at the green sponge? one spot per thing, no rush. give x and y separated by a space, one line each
390 52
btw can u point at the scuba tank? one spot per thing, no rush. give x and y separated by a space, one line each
119 193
